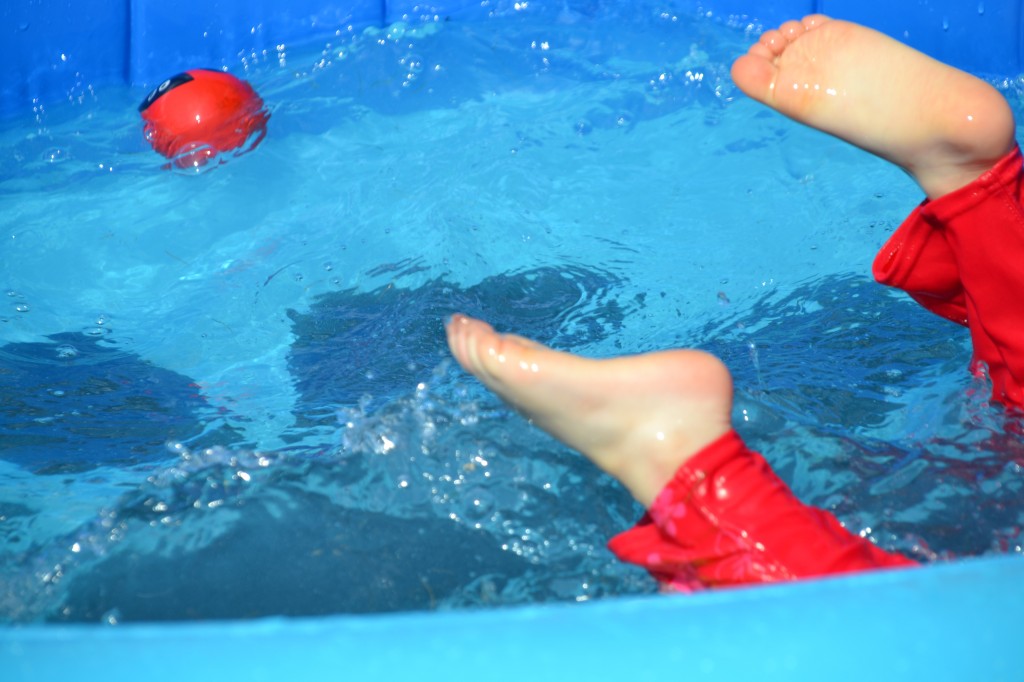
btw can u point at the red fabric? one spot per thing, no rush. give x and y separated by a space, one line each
726 519
962 257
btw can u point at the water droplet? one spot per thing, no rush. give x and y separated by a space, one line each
328 267
22 308
981 8
945 23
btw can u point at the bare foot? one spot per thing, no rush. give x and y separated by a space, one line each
636 417
943 126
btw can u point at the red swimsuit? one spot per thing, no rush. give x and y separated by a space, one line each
726 519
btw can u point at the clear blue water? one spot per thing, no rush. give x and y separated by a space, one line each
227 394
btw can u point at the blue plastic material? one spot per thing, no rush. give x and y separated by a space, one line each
958 621
50 58
57 50
954 622
168 37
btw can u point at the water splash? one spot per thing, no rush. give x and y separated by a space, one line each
427 470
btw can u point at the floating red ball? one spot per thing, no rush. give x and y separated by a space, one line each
194 116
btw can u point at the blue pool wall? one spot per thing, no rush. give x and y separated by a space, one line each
958 622
65 50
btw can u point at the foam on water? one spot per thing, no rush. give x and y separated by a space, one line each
594 182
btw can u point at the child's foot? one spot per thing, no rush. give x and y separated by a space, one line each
637 417
943 126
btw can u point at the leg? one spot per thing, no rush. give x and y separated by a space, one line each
983 223
667 405
660 424
723 517
957 254
941 125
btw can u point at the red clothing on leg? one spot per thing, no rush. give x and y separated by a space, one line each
725 518
962 257
919 260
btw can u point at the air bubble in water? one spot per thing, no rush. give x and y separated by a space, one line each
481 503
194 160
55 155
66 352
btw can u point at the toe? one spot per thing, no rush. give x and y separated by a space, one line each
791 30
774 41
755 76
814 21
761 52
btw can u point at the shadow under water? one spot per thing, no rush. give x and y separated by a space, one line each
355 347
862 401
76 402
412 500
306 556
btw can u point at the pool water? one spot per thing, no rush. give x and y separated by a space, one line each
226 394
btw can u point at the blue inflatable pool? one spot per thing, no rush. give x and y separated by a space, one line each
957 620
954 622
48 53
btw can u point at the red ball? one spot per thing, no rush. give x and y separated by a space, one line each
196 115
